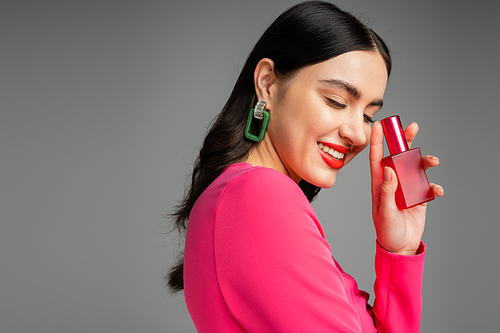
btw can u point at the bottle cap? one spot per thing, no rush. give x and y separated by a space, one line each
394 135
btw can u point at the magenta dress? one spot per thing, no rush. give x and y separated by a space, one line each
256 260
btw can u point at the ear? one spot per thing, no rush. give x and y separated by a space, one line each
265 81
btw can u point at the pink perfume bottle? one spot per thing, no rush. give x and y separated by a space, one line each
413 186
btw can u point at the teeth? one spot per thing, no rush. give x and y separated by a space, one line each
337 155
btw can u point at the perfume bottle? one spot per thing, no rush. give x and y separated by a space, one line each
413 186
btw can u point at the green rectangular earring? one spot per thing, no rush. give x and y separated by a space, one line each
259 113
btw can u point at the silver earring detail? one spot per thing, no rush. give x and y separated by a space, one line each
258 112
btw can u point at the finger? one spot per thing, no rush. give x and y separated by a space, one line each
410 133
375 156
388 190
438 190
376 149
430 161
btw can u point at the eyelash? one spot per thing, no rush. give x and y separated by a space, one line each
369 119
335 104
338 105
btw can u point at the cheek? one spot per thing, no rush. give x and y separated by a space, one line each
280 129
290 124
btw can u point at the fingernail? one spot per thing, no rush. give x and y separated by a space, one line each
434 158
387 174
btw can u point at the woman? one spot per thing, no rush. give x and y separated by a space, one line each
256 259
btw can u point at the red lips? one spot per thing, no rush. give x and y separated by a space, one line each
329 159
338 148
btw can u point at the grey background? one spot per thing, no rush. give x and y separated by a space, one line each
105 103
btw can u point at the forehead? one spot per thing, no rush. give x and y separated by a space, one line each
366 70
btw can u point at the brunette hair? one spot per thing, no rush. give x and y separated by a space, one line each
306 34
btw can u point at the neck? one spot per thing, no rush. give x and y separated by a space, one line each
264 154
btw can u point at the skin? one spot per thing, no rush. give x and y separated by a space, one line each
312 109
332 102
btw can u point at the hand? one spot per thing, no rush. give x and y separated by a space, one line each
398 231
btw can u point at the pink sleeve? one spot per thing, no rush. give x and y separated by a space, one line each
276 273
398 291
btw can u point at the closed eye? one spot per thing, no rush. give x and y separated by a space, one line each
335 104
369 119
338 105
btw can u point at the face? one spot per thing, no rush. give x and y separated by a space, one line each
322 120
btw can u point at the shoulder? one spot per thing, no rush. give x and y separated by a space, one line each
264 200
262 184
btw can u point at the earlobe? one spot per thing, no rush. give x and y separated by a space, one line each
264 78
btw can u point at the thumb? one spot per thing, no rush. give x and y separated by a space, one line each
388 188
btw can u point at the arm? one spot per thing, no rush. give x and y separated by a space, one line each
398 291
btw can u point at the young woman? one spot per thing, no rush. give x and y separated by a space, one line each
256 259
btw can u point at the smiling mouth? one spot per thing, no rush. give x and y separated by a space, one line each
332 152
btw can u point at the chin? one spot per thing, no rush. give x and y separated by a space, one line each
326 181
327 185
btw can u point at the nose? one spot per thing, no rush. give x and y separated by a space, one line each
354 131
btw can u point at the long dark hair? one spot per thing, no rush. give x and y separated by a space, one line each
305 34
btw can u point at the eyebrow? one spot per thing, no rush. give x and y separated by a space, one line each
352 90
